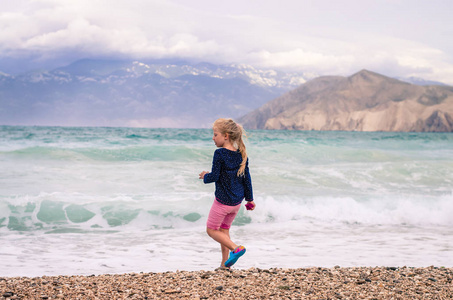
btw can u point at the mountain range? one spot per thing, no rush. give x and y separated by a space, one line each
170 93
158 93
365 101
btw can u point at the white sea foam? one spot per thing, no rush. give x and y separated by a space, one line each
287 245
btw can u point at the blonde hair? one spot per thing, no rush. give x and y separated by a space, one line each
237 134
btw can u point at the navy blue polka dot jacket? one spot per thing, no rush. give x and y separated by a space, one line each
230 189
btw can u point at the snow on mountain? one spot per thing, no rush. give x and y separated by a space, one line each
420 81
263 78
101 70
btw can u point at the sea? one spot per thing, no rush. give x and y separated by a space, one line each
84 200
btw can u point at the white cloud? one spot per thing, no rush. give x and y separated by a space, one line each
325 37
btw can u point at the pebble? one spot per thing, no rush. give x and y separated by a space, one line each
254 283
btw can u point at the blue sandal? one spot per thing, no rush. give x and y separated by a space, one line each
234 256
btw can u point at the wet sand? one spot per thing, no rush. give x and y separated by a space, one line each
303 283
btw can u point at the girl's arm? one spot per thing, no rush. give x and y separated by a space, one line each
214 175
248 190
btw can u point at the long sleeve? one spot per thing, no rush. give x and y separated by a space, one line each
215 171
248 190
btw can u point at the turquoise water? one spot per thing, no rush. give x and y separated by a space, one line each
110 200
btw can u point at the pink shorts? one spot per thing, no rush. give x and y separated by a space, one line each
221 215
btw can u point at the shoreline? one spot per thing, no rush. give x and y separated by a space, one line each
254 283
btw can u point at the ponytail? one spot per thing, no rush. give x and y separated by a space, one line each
243 151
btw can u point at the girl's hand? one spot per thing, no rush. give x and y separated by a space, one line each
250 205
201 175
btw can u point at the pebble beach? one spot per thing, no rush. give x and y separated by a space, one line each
254 283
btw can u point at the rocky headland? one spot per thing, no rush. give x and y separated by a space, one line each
365 101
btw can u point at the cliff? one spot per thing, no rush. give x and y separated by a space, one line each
365 101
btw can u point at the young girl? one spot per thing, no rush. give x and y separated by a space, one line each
230 172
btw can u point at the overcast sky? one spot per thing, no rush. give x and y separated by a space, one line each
393 37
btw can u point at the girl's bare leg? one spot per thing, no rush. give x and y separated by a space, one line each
222 236
225 250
